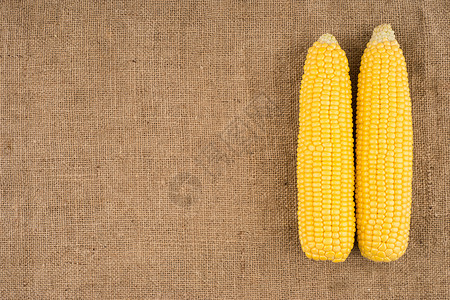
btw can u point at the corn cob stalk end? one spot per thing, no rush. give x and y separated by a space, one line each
327 39
382 33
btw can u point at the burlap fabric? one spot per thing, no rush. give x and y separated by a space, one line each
148 149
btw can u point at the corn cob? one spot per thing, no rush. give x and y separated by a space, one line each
383 149
325 171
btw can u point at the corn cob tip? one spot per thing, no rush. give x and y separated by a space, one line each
382 33
327 39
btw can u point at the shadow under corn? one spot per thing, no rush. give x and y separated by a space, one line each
354 49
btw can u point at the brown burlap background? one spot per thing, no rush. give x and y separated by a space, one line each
148 149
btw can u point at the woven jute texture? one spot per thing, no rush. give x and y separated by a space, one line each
148 149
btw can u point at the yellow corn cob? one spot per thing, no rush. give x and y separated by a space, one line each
325 171
383 149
